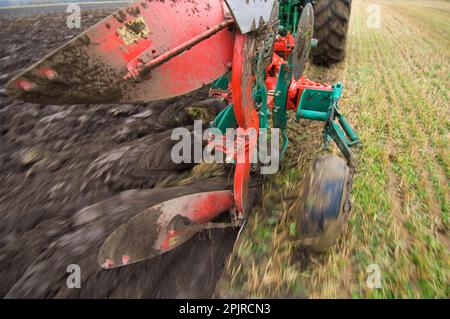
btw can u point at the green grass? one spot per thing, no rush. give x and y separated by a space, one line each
396 95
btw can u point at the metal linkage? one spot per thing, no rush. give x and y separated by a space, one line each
137 68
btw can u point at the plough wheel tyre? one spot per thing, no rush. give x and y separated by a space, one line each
325 203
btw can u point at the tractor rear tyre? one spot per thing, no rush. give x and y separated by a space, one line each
324 203
330 29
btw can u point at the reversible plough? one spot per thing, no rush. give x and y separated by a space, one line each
254 54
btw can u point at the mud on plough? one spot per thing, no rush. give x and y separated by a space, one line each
254 54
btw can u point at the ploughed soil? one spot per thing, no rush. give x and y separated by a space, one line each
57 160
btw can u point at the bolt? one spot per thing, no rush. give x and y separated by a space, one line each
50 74
108 263
125 259
25 85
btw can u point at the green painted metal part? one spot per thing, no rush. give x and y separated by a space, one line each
279 109
221 83
314 101
225 119
290 11
260 97
321 105
337 92
260 91
354 139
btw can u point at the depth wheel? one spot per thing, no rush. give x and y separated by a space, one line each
325 203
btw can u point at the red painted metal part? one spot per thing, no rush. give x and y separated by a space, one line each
284 45
162 227
202 209
91 68
246 116
283 48
236 79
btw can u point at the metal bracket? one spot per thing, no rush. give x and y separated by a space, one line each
250 15
321 105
